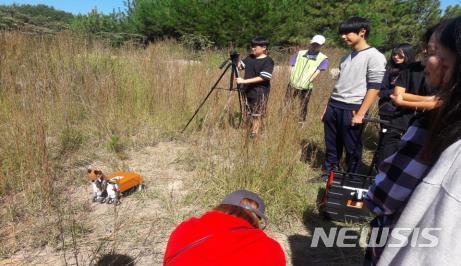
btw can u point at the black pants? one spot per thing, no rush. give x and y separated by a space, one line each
303 96
388 143
389 137
340 134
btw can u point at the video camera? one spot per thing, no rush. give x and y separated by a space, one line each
233 58
234 55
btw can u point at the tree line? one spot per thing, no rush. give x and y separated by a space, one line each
205 23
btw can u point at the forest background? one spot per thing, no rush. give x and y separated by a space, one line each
204 24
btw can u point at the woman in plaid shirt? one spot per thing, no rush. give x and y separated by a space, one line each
401 173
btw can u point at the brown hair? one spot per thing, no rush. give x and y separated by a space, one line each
241 212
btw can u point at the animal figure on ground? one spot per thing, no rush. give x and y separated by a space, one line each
98 185
110 188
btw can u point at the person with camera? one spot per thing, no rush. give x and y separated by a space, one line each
256 82
230 234
306 65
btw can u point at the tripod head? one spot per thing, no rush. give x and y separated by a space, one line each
233 58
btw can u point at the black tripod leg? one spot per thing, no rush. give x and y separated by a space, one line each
235 74
241 109
206 98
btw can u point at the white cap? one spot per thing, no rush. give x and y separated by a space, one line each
318 39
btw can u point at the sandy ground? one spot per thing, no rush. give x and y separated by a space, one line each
140 226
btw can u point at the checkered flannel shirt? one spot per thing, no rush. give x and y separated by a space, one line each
400 173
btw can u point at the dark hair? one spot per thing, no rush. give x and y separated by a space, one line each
427 36
354 24
409 57
259 41
407 51
446 128
435 29
240 212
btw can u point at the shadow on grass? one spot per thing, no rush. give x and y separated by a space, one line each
370 137
115 260
312 153
303 254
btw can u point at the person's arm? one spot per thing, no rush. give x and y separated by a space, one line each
314 75
241 63
398 90
428 104
412 101
370 98
402 88
322 67
249 81
416 98
375 74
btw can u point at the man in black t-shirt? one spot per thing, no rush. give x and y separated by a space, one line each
256 81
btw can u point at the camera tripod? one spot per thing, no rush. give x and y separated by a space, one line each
230 63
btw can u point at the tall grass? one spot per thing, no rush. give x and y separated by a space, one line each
61 96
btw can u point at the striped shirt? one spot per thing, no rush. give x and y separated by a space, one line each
258 67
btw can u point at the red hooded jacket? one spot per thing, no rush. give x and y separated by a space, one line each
220 239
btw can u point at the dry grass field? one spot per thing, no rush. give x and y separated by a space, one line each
67 104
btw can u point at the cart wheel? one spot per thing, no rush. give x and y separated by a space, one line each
110 201
102 200
141 187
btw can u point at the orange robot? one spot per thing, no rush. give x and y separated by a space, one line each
119 183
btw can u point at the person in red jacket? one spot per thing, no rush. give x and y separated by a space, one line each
230 234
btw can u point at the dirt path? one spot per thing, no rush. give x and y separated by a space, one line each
140 226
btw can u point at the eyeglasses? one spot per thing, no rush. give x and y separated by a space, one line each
398 55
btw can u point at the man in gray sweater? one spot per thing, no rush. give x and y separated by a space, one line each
358 85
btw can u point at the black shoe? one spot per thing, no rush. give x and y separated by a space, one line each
325 176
